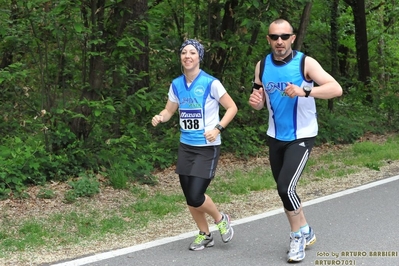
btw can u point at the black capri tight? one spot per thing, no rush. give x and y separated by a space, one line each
287 160
194 189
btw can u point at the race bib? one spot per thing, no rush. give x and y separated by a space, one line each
191 119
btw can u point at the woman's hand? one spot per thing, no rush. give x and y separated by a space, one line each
156 120
211 135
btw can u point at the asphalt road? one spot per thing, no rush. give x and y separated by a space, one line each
354 227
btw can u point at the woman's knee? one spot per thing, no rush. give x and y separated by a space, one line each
194 189
195 200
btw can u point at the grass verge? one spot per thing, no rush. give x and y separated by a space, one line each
65 228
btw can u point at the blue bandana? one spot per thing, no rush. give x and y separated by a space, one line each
197 45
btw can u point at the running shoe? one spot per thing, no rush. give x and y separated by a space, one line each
310 237
297 248
225 229
202 241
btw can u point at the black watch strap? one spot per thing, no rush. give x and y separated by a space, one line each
219 127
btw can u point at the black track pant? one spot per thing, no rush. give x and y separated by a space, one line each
287 160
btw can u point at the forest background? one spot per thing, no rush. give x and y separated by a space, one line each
80 80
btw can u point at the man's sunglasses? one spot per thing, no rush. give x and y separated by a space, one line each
283 37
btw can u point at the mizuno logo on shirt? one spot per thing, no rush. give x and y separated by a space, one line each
194 113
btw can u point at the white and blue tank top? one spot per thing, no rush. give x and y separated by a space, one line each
289 118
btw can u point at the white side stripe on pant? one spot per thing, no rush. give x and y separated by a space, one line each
291 188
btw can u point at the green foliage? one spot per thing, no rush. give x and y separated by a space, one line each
368 153
159 205
19 164
373 166
237 182
246 134
350 120
83 225
373 155
118 177
45 193
86 186
71 100
338 128
70 196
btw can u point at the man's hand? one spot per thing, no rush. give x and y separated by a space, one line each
256 99
293 90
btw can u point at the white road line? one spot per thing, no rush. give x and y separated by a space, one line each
124 251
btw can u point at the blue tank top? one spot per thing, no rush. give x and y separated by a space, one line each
289 118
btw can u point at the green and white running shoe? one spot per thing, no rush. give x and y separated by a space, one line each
225 229
202 241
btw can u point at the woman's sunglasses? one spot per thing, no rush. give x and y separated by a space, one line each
283 37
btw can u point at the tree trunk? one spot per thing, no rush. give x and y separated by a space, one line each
80 126
140 64
362 56
334 44
254 37
228 24
300 35
7 54
382 77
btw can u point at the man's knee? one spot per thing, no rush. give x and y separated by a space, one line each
282 192
290 199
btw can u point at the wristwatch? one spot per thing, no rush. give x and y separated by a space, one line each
219 127
307 90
